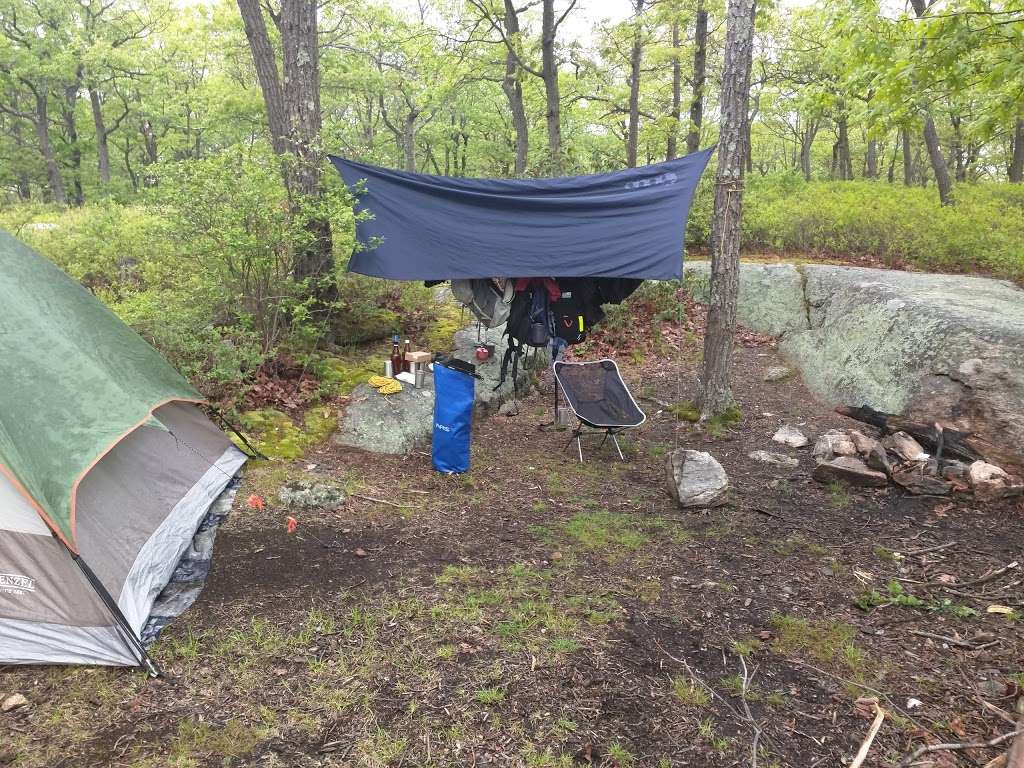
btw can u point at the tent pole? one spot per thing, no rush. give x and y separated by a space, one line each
134 643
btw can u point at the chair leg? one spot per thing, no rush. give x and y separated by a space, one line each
579 446
617 448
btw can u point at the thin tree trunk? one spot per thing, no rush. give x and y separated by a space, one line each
700 61
908 158
409 141
938 162
149 154
552 96
843 149
513 88
871 162
806 145
42 124
716 392
266 73
672 149
635 59
71 131
931 135
102 145
891 174
24 183
1016 170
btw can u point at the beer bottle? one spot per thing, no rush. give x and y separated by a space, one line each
406 365
396 356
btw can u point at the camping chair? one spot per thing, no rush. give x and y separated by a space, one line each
600 400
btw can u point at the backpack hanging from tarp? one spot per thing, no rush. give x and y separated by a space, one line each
489 300
454 394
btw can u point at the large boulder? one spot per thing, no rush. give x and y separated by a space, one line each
488 398
388 424
921 345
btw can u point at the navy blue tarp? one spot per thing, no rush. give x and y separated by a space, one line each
623 224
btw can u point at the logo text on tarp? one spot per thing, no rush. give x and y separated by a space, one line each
15 584
665 178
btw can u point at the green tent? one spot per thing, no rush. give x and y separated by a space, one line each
102 446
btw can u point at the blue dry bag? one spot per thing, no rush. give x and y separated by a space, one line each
453 418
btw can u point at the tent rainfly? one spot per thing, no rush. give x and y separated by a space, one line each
107 468
623 224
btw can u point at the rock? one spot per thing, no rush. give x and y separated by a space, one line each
309 493
991 482
833 443
770 299
12 702
394 424
777 373
913 480
778 459
488 398
904 446
862 442
790 436
849 470
951 469
696 479
509 408
878 460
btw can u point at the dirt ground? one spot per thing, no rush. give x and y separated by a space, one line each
541 612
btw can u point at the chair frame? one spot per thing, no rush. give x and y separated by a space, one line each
582 425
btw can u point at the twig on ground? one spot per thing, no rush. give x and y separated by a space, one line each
750 717
865 746
981 580
957 746
999 711
382 501
926 550
943 638
1015 755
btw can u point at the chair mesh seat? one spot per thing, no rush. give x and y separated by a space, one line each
598 395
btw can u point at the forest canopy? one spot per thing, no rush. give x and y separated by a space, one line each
171 154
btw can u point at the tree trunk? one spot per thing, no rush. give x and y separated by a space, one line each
314 259
908 158
700 61
409 140
938 162
891 174
150 154
806 144
871 161
102 145
635 59
552 96
1016 170
716 392
931 135
71 131
513 88
843 149
42 124
672 149
24 183
266 73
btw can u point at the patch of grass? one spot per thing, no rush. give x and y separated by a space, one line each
457 574
828 642
278 437
690 692
607 532
746 648
886 555
657 450
719 424
620 755
685 410
194 738
798 545
839 494
382 748
343 374
895 594
563 645
490 696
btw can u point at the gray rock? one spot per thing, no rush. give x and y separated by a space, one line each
393 424
771 295
915 344
778 459
904 446
833 443
777 373
864 444
310 493
791 436
12 702
849 470
696 479
509 408
488 398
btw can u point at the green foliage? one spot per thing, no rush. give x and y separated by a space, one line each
895 594
984 232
